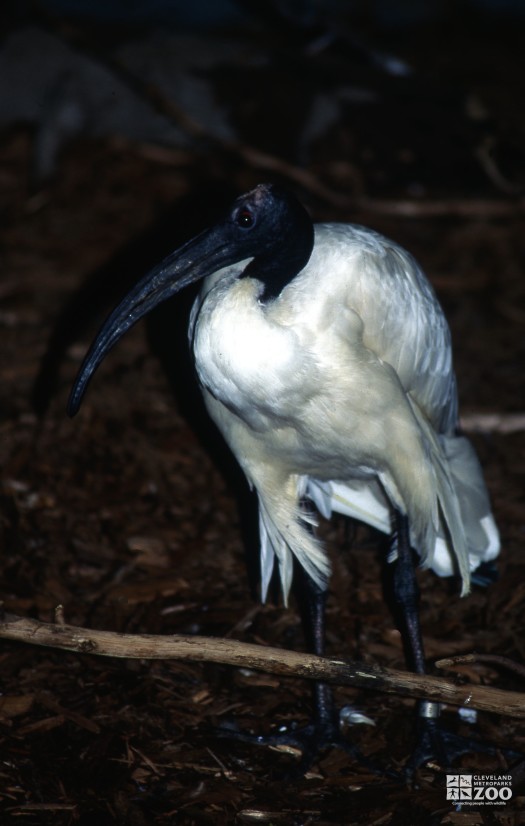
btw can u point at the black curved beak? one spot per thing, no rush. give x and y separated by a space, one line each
198 258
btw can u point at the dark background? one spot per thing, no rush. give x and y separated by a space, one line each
124 127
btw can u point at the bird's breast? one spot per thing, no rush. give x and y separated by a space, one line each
249 363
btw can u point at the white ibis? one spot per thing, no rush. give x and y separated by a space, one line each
325 360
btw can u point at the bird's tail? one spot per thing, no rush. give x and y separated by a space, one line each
453 536
465 533
448 533
482 536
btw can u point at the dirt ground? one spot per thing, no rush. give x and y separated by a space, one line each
128 516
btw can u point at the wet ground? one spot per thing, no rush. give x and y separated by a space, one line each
128 516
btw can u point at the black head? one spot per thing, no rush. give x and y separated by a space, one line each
267 225
279 229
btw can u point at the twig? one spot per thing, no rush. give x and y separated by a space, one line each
493 422
273 660
490 659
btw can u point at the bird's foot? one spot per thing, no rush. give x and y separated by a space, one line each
309 742
437 744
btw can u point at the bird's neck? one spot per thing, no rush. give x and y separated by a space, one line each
288 254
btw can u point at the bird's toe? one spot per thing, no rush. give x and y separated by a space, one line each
438 745
308 743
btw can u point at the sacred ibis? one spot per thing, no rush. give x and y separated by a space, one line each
325 360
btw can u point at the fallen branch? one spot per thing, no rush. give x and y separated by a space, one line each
273 660
493 422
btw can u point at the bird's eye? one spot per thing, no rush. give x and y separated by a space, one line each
245 218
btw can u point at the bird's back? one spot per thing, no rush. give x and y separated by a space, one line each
403 322
404 325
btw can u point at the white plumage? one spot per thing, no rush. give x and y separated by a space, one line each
342 389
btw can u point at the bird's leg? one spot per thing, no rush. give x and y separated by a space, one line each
312 605
405 592
406 597
433 741
323 732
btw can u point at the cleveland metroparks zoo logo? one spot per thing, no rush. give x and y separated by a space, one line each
479 789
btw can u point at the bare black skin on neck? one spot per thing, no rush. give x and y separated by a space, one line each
285 236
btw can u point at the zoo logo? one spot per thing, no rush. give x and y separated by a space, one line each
479 789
